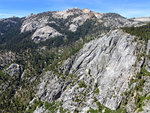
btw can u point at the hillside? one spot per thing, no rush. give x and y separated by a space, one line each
74 60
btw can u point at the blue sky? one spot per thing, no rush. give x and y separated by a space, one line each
127 8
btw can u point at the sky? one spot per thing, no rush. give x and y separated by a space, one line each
126 8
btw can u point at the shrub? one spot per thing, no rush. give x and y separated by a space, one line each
82 84
50 106
96 90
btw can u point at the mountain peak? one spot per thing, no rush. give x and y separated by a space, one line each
86 10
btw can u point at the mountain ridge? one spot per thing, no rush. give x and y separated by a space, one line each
76 61
71 18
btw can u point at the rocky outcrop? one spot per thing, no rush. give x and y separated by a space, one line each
111 72
104 68
117 21
44 33
110 61
6 58
33 22
78 21
40 110
71 19
66 13
7 24
50 87
14 70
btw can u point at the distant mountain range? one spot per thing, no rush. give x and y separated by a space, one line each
142 19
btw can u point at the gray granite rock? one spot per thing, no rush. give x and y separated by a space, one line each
14 70
50 87
111 60
107 64
44 33
7 58
39 110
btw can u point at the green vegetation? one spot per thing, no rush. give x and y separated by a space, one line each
143 72
3 77
93 111
105 109
89 72
36 103
51 107
35 62
139 101
54 106
63 110
143 31
82 84
96 91
18 42
139 97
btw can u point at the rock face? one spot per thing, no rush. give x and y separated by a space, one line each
77 18
44 24
14 70
110 60
39 110
106 64
110 72
78 21
50 87
32 22
66 13
117 21
7 58
7 24
44 33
